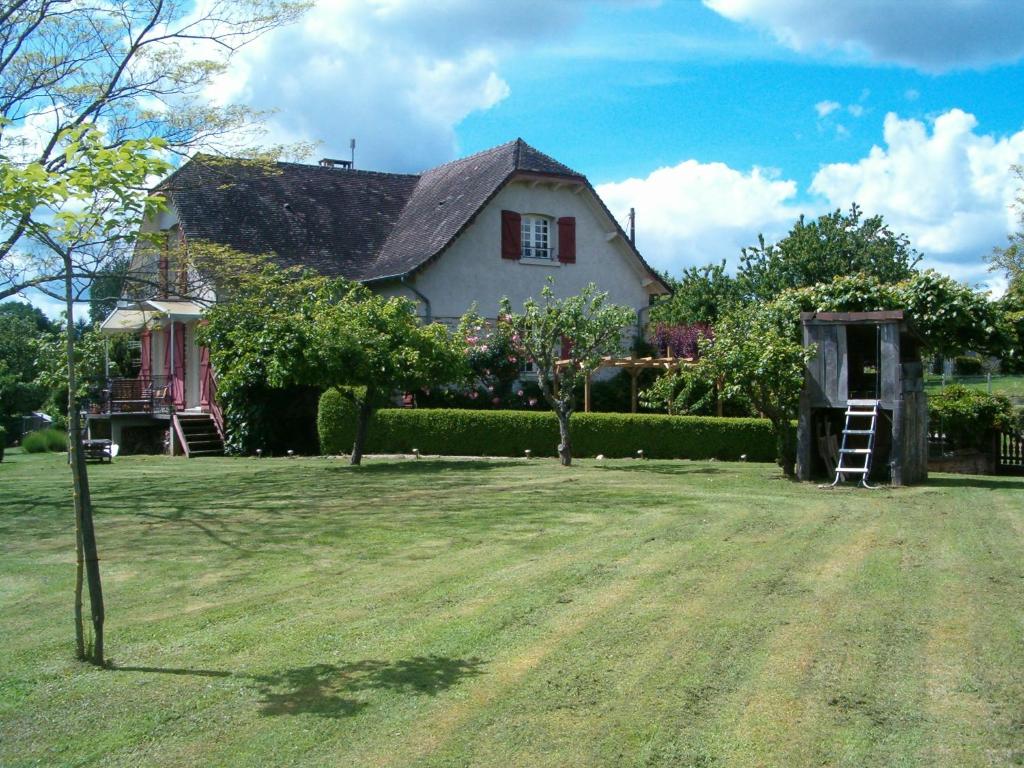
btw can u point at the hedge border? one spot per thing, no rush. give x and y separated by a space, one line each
454 432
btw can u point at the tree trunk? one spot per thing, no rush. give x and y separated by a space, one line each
80 483
362 426
79 576
565 441
786 446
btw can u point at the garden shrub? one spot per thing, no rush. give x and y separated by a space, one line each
272 420
510 433
43 440
965 365
336 422
968 416
3 441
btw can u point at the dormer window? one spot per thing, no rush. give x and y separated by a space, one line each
536 238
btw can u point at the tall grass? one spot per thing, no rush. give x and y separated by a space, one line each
44 440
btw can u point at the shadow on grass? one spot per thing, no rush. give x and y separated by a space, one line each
207 530
428 466
666 469
327 690
973 481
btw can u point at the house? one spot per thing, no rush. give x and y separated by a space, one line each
494 224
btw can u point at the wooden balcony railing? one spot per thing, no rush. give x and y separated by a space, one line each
138 395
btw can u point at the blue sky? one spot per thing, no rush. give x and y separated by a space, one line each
716 119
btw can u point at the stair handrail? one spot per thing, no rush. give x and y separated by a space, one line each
216 412
176 426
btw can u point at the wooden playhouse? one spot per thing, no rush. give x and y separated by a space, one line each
865 363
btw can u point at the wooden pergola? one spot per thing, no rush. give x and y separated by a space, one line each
634 366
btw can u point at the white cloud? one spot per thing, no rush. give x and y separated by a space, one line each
826 108
857 110
931 35
694 213
945 185
398 75
949 188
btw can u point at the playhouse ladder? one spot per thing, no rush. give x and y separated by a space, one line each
861 424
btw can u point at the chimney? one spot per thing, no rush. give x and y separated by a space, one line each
329 162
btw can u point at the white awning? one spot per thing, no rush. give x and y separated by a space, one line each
179 310
124 320
135 317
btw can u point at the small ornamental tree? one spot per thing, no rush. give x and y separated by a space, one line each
255 338
577 330
282 328
755 355
373 346
491 357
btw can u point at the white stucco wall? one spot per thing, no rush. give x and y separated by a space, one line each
472 268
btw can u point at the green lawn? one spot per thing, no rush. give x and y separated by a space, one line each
505 613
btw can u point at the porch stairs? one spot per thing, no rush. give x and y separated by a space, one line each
858 446
198 434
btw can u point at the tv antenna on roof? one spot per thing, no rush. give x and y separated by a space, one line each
352 146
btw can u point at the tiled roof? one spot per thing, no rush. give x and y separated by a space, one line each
329 220
346 223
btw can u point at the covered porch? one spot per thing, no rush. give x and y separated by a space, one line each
170 380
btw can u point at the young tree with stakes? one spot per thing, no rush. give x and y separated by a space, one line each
93 99
565 340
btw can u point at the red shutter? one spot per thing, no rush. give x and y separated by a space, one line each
567 240
511 235
566 347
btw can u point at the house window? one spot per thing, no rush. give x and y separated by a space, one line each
536 239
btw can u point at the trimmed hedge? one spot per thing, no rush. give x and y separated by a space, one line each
968 366
967 416
509 433
43 440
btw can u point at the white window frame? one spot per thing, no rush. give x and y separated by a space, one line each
537 232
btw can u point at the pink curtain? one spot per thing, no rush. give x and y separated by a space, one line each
146 353
178 382
205 375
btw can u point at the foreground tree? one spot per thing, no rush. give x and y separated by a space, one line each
576 331
71 219
89 94
135 67
818 251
